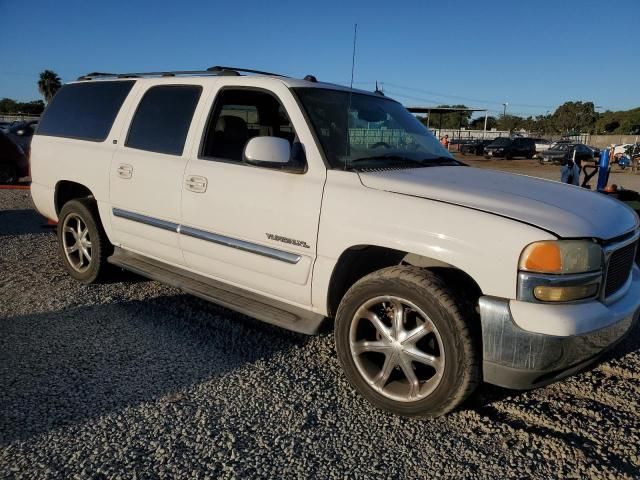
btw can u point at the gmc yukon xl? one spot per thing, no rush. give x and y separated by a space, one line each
295 201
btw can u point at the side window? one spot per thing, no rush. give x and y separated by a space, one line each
237 116
163 117
84 110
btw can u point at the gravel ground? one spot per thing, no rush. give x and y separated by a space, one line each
133 379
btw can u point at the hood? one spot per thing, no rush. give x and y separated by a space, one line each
565 210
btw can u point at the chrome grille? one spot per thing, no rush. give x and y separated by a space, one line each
619 268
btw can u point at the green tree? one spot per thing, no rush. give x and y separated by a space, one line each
478 123
575 117
49 84
451 120
8 105
510 122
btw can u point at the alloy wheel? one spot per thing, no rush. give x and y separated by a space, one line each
396 348
76 242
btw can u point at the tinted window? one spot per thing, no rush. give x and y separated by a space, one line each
163 117
84 110
240 115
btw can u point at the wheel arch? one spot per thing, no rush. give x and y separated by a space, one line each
360 260
66 190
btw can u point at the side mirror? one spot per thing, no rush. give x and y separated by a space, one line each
270 152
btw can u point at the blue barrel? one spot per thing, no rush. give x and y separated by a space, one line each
603 169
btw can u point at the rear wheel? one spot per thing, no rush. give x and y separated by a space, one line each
83 244
406 343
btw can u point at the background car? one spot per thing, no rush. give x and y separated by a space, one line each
474 147
21 133
562 152
13 161
511 148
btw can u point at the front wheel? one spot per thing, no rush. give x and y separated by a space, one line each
82 242
406 343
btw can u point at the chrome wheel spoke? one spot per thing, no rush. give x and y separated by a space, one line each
383 376
412 336
412 378
398 318
72 249
419 356
379 325
86 253
370 346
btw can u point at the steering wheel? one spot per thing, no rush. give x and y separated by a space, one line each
381 144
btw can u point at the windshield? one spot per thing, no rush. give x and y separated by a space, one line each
563 147
375 132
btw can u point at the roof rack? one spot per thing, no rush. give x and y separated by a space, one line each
216 71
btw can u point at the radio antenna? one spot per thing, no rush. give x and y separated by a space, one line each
353 64
353 58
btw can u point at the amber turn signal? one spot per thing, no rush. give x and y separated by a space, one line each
565 294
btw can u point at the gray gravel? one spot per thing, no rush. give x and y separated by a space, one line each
133 379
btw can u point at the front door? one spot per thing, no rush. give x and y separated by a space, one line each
146 172
253 227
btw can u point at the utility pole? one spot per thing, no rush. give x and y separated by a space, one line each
504 111
486 116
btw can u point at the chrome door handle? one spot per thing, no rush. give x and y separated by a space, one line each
196 183
125 171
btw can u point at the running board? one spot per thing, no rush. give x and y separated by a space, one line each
249 303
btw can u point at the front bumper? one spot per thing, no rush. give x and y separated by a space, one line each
566 338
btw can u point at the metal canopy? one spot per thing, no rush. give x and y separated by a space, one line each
444 110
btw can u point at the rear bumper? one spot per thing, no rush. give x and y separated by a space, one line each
514 357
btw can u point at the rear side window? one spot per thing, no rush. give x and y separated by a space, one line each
162 120
85 111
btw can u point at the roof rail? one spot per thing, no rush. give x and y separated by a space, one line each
218 68
217 71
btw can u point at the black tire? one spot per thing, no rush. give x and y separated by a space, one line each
454 320
529 156
8 174
101 248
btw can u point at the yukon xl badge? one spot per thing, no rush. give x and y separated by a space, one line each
291 241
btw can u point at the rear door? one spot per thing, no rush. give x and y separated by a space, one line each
147 170
255 227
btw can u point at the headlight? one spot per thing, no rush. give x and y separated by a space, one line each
560 271
562 257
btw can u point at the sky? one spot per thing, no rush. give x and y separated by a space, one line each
535 55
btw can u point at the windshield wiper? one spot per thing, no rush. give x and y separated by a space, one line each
394 158
441 161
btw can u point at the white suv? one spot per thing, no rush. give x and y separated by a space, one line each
294 201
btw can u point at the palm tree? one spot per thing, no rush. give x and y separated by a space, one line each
49 84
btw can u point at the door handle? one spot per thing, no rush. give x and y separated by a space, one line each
196 183
125 171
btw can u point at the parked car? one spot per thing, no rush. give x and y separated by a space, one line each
4 126
13 161
562 152
250 191
542 144
510 148
474 147
21 133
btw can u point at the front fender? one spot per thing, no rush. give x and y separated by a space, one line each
485 246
